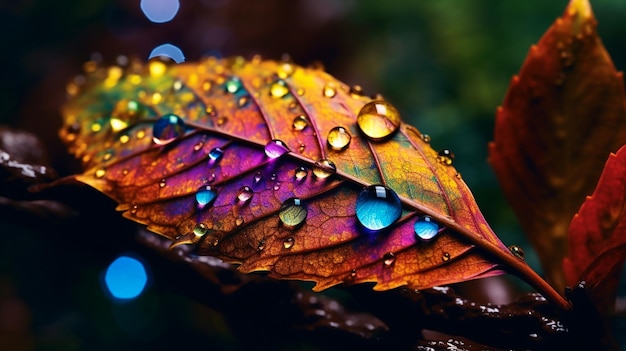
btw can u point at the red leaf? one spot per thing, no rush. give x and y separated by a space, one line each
217 176
597 236
560 119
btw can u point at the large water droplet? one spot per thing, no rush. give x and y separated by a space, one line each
292 213
324 168
279 89
205 196
275 149
301 173
426 228
233 84
300 122
244 194
167 128
378 119
338 138
288 243
517 251
445 156
388 259
377 207
329 90
215 155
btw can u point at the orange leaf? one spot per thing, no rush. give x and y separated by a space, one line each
283 169
597 236
560 119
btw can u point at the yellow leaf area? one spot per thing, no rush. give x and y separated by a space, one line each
278 168
559 121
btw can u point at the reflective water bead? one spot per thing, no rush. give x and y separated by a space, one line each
292 213
273 177
356 90
243 101
162 183
445 156
198 146
288 243
210 110
324 168
261 245
301 173
100 172
277 186
233 84
338 138
167 128
239 221
222 120
329 90
244 194
285 70
389 258
426 228
445 257
215 155
517 251
279 89
124 139
300 122
377 207
426 138
205 196
378 119
200 229
275 149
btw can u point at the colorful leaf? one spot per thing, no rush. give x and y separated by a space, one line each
283 169
560 119
597 236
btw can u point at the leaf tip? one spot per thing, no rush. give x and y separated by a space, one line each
580 8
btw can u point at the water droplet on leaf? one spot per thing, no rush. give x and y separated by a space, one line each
200 229
426 228
377 207
445 257
275 149
279 89
221 121
215 155
445 157
243 101
233 84
329 90
257 177
239 221
162 183
244 194
292 213
324 168
288 243
300 122
301 173
388 259
285 70
356 90
205 196
338 138
378 119
426 138
517 251
167 128
100 172
198 146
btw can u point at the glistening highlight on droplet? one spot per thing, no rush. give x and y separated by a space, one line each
426 228
168 50
377 207
159 11
167 128
125 278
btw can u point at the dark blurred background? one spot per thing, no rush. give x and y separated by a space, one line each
445 64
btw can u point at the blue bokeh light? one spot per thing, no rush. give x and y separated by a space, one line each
160 11
126 278
168 50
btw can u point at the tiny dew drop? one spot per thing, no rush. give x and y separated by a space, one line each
261 245
426 228
300 91
239 221
292 213
162 183
285 70
200 229
388 259
356 90
378 119
338 138
353 273
100 172
210 110
301 173
329 90
426 138
205 196
445 257
243 101
324 168
279 89
517 251
277 186
273 177
300 122
288 243
244 194
377 207
221 121
257 177
167 128
275 149
198 146
445 157
215 155
301 148
233 85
